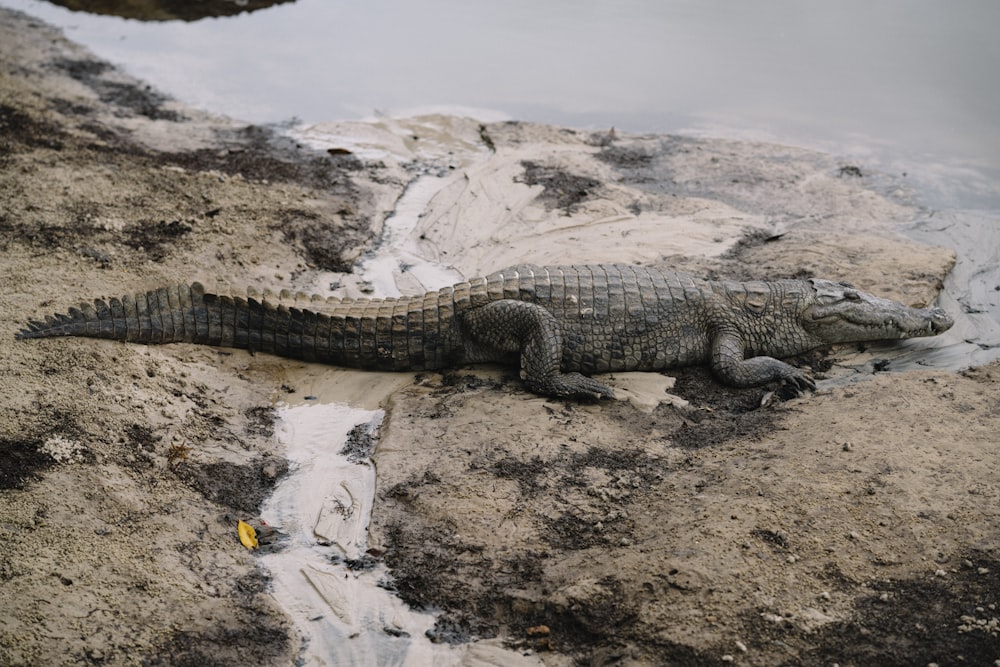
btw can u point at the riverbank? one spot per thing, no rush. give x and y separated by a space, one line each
680 529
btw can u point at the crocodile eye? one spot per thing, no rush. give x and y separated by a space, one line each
852 295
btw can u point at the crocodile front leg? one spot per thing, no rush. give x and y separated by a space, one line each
531 330
732 367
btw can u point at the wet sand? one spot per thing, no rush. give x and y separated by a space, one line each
856 525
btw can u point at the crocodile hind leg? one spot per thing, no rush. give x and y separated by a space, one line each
531 330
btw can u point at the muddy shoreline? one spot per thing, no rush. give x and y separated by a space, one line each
857 525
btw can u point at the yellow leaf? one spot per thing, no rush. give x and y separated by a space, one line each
248 536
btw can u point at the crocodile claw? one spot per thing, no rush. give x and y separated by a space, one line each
799 380
571 384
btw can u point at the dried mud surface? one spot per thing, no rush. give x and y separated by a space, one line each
685 535
856 525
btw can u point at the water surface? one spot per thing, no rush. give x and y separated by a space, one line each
900 85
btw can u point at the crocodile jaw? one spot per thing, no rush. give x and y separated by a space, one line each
842 314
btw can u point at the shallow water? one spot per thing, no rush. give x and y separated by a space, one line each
971 291
904 86
346 614
340 603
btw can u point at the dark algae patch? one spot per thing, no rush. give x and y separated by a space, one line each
18 128
239 487
952 619
948 619
252 635
361 442
258 153
563 190
20 461
156 239
139 99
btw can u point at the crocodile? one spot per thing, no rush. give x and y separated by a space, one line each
562 324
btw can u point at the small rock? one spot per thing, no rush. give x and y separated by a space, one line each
741 646
538 631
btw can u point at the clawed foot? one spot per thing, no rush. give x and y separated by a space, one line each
798 380
573 385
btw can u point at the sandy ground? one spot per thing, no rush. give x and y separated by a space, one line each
857 525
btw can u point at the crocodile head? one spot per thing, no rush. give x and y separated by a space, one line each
839 313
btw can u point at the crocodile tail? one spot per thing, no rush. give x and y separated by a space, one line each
184 314
163 315
403 334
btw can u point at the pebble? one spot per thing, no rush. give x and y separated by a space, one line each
741 646
538 631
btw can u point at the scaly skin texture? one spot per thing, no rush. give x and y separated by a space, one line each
563 323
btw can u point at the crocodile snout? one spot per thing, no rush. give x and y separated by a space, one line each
940 321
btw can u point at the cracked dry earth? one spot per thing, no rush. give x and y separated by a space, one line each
858 525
